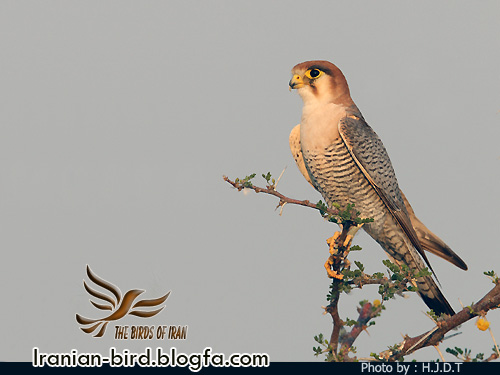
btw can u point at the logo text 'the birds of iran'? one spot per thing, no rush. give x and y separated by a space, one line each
119 307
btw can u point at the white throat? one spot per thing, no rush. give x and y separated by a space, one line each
319 124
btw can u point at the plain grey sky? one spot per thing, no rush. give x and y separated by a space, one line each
119 118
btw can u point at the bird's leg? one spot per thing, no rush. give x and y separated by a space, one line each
339 245
332 259
333 263
350 235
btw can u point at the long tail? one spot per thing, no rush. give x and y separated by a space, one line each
429 290
401 251
437 302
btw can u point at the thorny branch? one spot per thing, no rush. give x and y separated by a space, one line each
490 301
339 264
270 189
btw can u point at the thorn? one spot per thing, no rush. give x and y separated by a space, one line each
423 339
494 341
365 328
450 336
278 180
439 351
430 317
281 209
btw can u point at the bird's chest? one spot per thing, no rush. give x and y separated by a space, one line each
319 126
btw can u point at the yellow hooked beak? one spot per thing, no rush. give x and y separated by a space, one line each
296 82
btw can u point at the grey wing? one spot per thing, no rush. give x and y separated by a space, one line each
370 155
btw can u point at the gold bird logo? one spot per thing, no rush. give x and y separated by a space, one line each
118 306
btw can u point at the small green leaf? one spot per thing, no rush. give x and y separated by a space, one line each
360 266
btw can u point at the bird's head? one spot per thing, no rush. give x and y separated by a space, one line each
320 81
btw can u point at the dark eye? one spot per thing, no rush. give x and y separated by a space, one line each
314 73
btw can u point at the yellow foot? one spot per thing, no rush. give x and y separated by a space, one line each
331 273
332 242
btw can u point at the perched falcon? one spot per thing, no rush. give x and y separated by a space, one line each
344 159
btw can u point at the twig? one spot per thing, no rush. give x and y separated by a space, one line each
366 313
283 199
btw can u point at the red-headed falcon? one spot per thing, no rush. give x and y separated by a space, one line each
344 159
